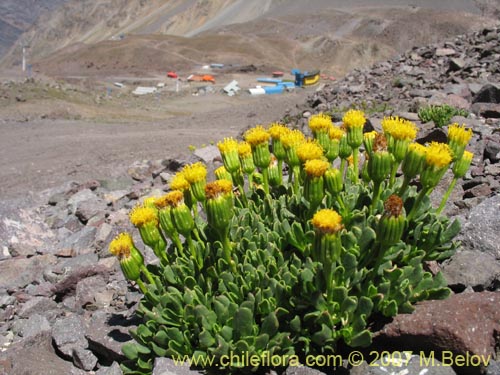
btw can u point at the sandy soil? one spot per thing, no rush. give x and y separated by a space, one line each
40 154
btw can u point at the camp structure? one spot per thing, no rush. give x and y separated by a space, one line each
307 78
172 75
201 78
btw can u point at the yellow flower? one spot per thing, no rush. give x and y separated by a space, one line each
227 145
293 138
370 135
121 245
316 167
327 221
278 130
354 119
171 199
459 134
141 215
399 128
309 150
257 136
417 148
195 172
149 201
217 188
179 182
336 132
244 149
320 122
438 155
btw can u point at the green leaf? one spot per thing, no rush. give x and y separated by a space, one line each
243 323
362 339
206 339
391 309
270 324
321 337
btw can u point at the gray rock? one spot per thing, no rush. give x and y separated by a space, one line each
475 269
76 263
140 170
113 370
480 231
463 323
76 199
84 359
413 365
35 355
166 366
487 110
80 242
120 183
106 334
303 371
208 154
35 325
6 300
36 305
492 150
488 94
493 368
69 334
87 289
88 209
20 272
440 52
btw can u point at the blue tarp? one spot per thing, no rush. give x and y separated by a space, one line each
269 80
274 89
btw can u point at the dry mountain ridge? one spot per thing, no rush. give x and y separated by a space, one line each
79 39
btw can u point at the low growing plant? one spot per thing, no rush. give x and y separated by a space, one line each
261 262
440 114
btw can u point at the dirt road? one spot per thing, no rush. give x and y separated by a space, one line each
41 154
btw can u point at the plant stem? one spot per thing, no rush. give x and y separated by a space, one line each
147 274
376 196
414 209
142 287
355 162
342 167
447 195
404 186
226 251
393 174
265 176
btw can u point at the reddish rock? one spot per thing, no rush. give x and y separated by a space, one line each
464 323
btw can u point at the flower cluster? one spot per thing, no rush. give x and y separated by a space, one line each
295 244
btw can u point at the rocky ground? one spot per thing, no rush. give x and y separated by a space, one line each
66 309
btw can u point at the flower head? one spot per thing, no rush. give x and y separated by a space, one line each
320 123
218 188
293 138
141 215
316 167
257 136
460 167
399 128
459 134
121 245
336 132
179 182
171 199
278 130
195 172
228 145
354 119
393 206
327 221
244 149
438 155
309 150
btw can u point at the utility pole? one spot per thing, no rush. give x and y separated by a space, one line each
25 47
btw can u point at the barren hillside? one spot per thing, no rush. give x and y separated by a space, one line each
335 40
